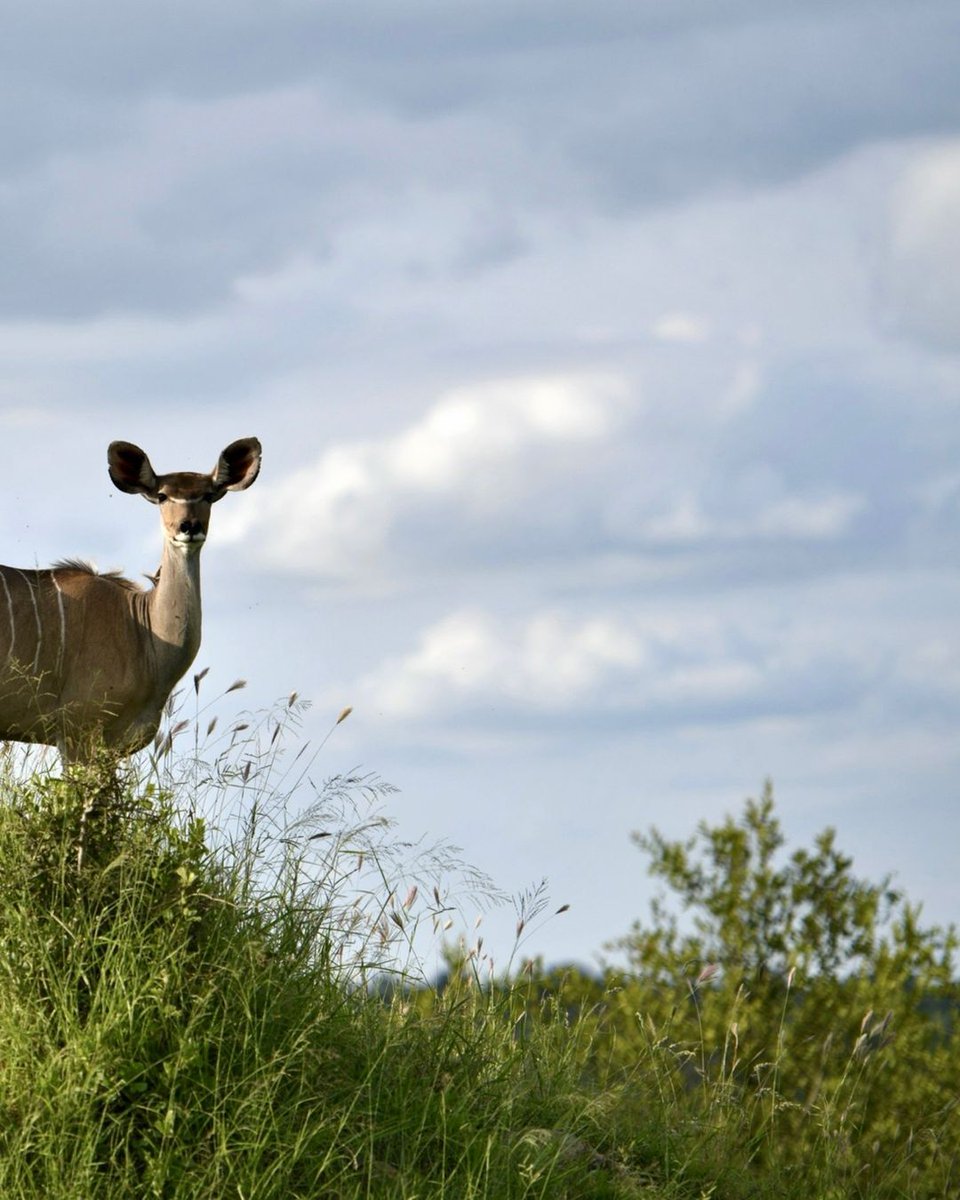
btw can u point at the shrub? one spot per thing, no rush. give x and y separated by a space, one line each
812 1003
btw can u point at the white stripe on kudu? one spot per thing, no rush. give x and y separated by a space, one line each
89 660
63 623
32 593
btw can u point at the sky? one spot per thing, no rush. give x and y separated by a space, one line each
606 361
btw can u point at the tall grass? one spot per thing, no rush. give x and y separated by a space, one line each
195 1006
221 996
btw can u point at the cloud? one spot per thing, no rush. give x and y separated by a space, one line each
472 458
663 666
764 95
923 267
474 429
148 171
170 207
681 327
808 518
467 660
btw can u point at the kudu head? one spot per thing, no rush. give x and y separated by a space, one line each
184 497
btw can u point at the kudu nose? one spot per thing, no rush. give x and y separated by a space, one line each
191 528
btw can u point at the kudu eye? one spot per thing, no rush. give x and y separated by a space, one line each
161 497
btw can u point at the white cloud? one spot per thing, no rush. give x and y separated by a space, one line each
474 452
675 666
681 327
475 427
923 272
548 662
812 517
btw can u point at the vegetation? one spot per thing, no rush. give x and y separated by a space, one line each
202 996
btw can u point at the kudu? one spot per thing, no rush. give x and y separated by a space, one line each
87 661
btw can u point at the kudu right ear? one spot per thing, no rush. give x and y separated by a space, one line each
238 466
130 469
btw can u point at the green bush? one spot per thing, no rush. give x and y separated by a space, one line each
801 1014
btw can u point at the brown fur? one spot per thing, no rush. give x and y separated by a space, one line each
82 567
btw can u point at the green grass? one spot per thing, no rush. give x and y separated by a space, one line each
229 1006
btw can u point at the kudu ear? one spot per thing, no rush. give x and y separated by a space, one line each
237 467
130 469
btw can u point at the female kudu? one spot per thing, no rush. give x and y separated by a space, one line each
89 660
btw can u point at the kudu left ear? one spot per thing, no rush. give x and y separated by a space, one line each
238 466
130 469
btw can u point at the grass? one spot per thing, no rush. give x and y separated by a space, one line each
222 998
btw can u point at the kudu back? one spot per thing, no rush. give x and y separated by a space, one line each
87 661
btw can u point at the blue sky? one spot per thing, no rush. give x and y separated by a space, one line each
606 360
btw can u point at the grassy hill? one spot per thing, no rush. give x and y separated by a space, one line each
194 1010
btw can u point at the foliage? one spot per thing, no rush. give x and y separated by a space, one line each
812 1001
786 1029
203 994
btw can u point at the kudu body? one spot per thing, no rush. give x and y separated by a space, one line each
89 660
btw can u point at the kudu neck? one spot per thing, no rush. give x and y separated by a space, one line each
175 604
